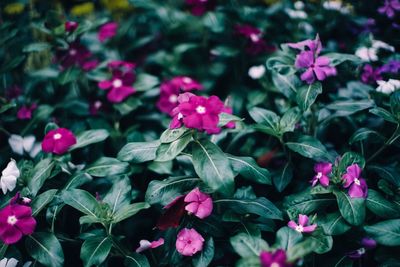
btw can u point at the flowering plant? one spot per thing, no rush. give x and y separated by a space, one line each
199 133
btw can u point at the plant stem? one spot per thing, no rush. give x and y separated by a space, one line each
388 142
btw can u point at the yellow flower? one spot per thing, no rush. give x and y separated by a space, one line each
82 9
116 5
14 8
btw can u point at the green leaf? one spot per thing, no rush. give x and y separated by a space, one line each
289 120
249 169
309 147
204 258
247 245
95 250
301 249
390 174
137 152
381 206
350 158
145 82
171 135
324 243
82 201
265 117
365 133
281 64
260 206
40 174
395 104
119 194
338 58
36 47
163 192
384 114
128 211
69 75
45 248
42 200
225 118
170 151
129 105
286 238
105 166
307 95
90 137
213 166
136 260
333 224
385 233
348 107
286 84
283 178
352 209
7 106
77 180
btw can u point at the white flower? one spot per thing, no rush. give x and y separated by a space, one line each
367 54
256 72
9 177
298 5
296 14
388 87
336 5
382 45
20 144
8 262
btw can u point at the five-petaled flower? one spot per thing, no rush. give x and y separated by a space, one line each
146 244
199 204
390 7
107 31
357 186
322 169
25 112
189 242
76 55
58 141
274 259
9 177
303 226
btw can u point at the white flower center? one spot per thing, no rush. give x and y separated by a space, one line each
57 136
187 80
173 99
299 228
201 109
254 37
274 264
11 220
361 251
117 83
72 52
357 182
180 116
319 175
97 104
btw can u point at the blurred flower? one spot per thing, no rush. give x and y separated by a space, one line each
388 87
169 91
27 144
146 244
9 177
274 259
382 45
368 243
255 43
173 215
356 254
357 185
95 107
14 8
303 226
323 169
71 26
15 221
371 75
58 141
336 5
76 55
256 72
82 9
13 91
314 46
199 204
120 84
189 242
315 67
25 112
390 7
393 66
107 31
367 54
198 112
296 14
17 199
11 262
199 7
116 5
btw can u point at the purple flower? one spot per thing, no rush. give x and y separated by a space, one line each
199 7
356 254
303 226
308 45
315 66
120 84
274 259
322 169
75 55
25 112
71 26
107 31
371 75
368 243
357 185
255 42
389 8
392 66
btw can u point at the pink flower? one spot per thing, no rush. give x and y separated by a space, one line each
357 186
95 107
303 226
90 65
71 26
315 67
189 242
390 7
255 42
76 55
200 204
199 7
58 141
120 85
370 75
323 169
198 112
275 259
310 45
146 244
15 221
170 90
107 31
25 112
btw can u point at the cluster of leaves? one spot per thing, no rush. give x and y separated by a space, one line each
108 192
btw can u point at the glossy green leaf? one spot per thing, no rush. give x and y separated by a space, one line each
40 174
45 248
307 95
352 209
309 147
137 152
95 250
40 202
381 206
248 168
170 151
247 245
90 137
386 232
204 257
106 166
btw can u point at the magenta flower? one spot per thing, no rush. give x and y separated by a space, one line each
107 31
255 42
200 204
76 55
303 226
170 90
390 7
25 112
199 7
16 221
120 84
71 26
95 107
146 244
58 141
274 259
371 75
189 242
357 185
315 67
308 45
322 169
173 214
198 112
